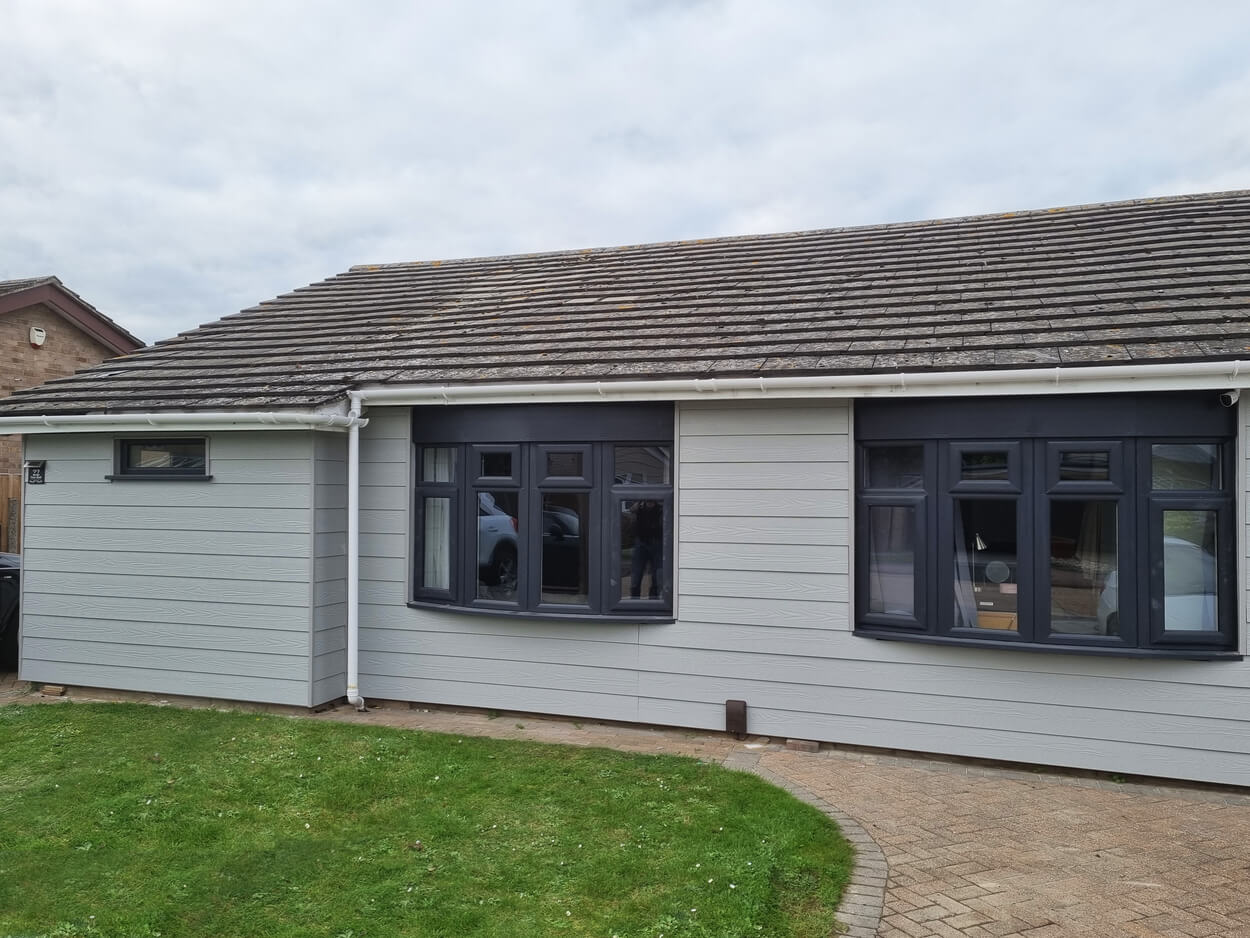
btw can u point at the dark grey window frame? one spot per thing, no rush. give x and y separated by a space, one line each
531 433
1041 429
124 472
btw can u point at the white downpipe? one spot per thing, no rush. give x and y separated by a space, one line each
1171 375
221 420
353 557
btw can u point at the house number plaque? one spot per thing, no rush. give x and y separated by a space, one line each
35 471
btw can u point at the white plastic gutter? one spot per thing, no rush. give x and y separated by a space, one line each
353 556
177 420
1058 380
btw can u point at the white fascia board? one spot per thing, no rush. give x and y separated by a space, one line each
1097 379
178 421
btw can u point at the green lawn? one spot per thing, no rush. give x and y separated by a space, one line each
126 820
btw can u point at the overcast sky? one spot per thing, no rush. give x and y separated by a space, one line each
174 162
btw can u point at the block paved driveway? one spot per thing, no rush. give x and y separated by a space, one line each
948 848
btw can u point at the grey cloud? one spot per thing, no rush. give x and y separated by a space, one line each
176 162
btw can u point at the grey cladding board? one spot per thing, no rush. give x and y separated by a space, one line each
328 657
764 612
200 588
1156 280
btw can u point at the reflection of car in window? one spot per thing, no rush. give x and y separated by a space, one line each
1189 590
562 550
496 543
497 546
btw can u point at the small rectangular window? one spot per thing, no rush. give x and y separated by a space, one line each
438 464
1185 466
162 458
894 467
644 465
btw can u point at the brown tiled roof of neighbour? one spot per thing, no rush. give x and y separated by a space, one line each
50 292
1128 282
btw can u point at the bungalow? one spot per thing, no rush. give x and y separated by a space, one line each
973 486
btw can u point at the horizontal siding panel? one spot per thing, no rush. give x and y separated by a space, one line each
329 616
829 587
389 616
330 446
238 471
331 520
330 568
242 688
830 532
776 558
750 610
167 658
198 566
243 616
808 476
394 569
176 541
384 520
328 641
331 472
330 543
260 445
328 665
169 635
329 688
685 637
778 448
532 675
172 494
503 697
567 649
732 503
815 664
754 419
383 545
385 450
172 517
387 423
941 714
1104 755
394 497
255 592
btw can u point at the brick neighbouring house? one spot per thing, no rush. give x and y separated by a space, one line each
76 336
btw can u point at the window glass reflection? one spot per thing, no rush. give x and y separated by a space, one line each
1185 466
643 465
496 465
1190 595
564 465
437 544
565 560
498 527
1084 568
985 564
895 467
892 560
438 464
642 548
983 467
1085 466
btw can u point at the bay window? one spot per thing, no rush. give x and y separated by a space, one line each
560 510
1103 524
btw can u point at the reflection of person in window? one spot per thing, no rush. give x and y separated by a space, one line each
648 547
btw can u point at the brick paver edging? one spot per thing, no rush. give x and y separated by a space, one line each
863 901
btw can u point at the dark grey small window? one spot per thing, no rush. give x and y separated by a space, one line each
161 458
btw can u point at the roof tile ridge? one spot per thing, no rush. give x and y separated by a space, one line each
797 233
